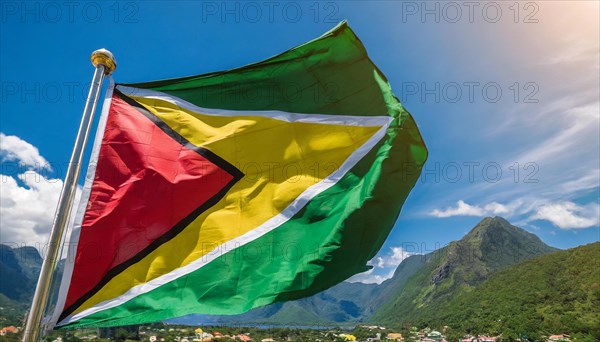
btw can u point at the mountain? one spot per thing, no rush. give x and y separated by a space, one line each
19 268
389 289
549 294
492 245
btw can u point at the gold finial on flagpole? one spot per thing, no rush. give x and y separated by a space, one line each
106 58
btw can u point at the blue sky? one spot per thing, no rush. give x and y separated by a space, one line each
506 98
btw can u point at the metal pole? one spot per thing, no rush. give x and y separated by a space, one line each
105 64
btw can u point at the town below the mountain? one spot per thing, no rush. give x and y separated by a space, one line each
498 283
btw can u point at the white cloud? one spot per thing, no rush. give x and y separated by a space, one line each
461 209
393 259
26 212
377 262
569 215
370 277
580 128
13 148
496 209
562 214
588 181
383 267
580 49
465 209
27 200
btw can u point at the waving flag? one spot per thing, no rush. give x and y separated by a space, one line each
227 191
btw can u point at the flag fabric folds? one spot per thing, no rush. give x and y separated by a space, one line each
227 191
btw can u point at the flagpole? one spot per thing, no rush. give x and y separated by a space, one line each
105 64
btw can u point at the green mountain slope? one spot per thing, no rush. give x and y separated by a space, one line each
11 312
389 289
492 245
19 268
550 294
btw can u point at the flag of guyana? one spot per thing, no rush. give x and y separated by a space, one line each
227 191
